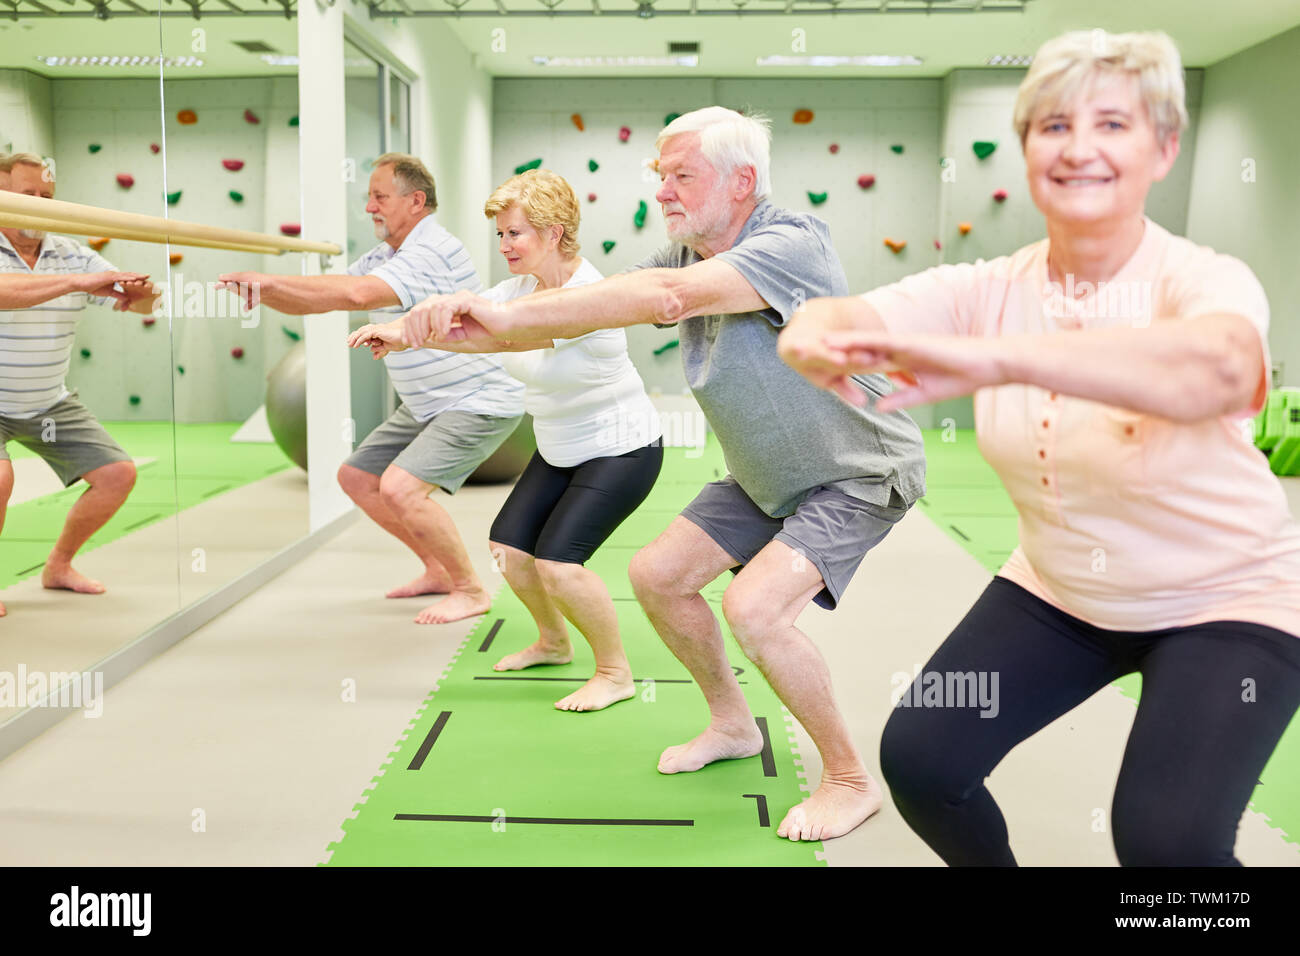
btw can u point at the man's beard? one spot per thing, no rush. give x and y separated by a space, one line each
701 224
31 233
381 230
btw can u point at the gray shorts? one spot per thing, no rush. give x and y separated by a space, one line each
67 436
830 528
443 451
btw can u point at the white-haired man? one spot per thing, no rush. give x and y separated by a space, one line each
45 282
814 483
456 409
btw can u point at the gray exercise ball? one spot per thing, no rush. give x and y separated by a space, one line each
286 404
508 461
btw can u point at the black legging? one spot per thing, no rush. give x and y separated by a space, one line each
565 514
1215 700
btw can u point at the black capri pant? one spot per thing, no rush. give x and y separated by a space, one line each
1215 700
565 514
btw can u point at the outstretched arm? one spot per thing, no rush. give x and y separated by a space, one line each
466 336
27 291
309 295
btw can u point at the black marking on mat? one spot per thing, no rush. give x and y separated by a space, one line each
761 801
142 521
487 641
429 739
922 501
34 567
737 670
216 491
769 762
556 821
959 532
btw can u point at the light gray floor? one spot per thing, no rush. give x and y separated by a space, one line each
244 727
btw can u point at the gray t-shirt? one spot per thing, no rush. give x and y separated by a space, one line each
782 436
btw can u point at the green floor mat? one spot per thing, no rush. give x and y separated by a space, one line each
490 774
966 500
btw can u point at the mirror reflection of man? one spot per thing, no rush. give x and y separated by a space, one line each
45 282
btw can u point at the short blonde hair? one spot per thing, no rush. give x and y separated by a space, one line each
411 176
1063 66
546 199
7 163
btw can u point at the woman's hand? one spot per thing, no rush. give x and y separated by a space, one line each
930 368
380 338
435 318
802 343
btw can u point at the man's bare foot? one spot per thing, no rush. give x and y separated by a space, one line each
535 654
426 583
68 578
710 746
598 693
835 808
455 606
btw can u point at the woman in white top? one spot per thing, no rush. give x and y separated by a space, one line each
599 450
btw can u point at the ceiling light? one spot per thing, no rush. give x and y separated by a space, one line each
608 61
1015 59
279 59
120 60
869 60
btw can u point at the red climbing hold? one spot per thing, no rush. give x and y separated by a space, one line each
125 180
234 165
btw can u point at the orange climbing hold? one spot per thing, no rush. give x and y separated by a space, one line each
187 117
803 116
896 245
175 258
98 243
963 227
577 121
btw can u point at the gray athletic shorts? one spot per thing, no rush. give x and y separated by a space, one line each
831 529
443 451
67 436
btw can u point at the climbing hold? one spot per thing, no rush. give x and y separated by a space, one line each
803 116
236 195
607 245
181 369
95 148
291 229
296 336
591 197
175 258
174 198
125 180
135 399
897 148
524 167
938 244
963 227
251 117
1000 196
593 165
983 148
154 148
668 345
834 148
670 117
234 165
576 118
638 217
896 245
624 134
816 198
85 353
148 321
99 242
237 352
293 121
187 117
866 181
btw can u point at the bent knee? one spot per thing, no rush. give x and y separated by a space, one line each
915 762
556 575
1162 836
400 490
119 476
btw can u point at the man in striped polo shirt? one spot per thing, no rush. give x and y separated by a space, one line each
45 282
456 408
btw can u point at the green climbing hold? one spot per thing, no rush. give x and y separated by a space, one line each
667 345
95 147
293 121
236 195
181 369
639 217
524 167
85 353
608 244
296 336
135 399
897 147
593 165
983 148
816 198
670 117
174 198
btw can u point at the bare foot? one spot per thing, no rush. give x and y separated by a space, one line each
455 606
835 808
67 578
710 746
534 654
426 583
598 693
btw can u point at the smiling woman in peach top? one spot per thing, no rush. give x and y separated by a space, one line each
1115 369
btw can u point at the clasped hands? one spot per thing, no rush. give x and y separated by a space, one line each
462 317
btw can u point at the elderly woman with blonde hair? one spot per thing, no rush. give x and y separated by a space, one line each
599 448
1114 366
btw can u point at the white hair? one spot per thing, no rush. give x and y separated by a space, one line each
728 141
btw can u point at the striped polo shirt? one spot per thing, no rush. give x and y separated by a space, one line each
36 343
432 260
